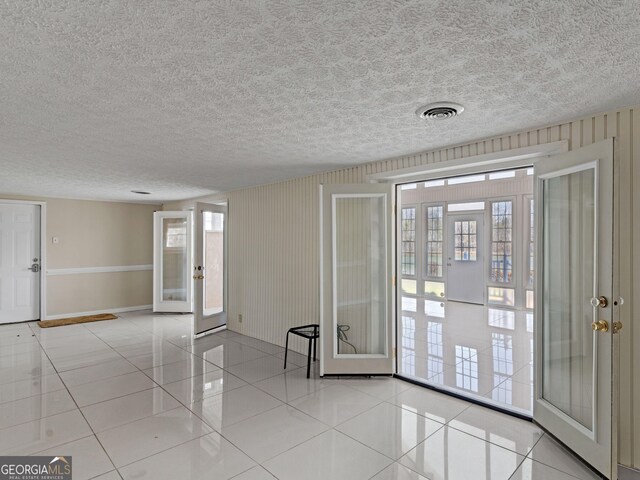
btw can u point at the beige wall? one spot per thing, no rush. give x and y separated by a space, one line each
273 244
97 234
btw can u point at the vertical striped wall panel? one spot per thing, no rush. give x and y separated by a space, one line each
274 245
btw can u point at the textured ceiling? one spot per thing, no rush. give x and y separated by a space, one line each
185 98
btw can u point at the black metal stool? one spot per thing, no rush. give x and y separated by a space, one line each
310 332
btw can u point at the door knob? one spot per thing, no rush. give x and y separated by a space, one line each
601 302
600 326
34 268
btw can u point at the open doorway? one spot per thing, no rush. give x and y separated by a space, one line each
465 322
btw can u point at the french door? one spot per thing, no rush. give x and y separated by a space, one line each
356 276
210 267
172 240
575 323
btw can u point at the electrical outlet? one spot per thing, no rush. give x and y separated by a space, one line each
240 318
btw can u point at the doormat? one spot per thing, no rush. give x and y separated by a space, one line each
71 320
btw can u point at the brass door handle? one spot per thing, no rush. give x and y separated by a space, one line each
600 326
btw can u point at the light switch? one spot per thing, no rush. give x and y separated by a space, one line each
55 240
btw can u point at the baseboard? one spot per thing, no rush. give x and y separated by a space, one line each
626 473
95 312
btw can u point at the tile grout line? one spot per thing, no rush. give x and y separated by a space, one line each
80 411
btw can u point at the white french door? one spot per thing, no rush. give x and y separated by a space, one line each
210 267
356 269
172 260
19 262
575 302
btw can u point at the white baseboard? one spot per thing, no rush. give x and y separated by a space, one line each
96 312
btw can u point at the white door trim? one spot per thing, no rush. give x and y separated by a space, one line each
506 159
43 250
81 270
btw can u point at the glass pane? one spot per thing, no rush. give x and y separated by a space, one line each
502 296
174 259
568 284
409 286
434 288
360 274
213 241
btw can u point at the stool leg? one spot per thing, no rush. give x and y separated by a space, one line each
315 342
309 359
286 350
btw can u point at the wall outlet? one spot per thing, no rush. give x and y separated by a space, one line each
240 318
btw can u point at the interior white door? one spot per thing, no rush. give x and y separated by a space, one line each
172 261
19 262
574 329
466 274
356 266
210 268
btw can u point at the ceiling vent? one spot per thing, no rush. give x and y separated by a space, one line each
439 111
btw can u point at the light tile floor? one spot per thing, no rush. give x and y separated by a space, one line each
481 352
138 398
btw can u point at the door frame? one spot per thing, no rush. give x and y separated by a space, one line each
43 249
449 225
475 164
544 410
158 260
198 246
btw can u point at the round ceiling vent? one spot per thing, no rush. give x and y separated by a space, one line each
439 111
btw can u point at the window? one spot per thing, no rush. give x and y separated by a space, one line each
465 240
466 179
435 289
176 234
434 241
409 241
463 207
501 241
502 296
434 183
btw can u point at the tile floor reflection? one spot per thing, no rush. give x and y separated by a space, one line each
482 352
139 398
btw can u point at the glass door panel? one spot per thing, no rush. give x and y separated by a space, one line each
569 281
172 262
213 225
355 280
210 268
574 329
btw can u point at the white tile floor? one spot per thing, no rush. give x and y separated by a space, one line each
137 398
481 352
